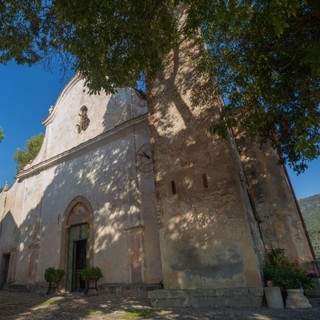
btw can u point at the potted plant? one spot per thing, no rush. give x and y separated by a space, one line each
52 275
91 275
314 292
289 277
273 293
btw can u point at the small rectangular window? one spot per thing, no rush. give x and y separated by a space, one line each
205 180
173 187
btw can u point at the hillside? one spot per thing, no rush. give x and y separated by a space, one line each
310 208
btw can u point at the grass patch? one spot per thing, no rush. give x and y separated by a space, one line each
99 312
51 302
144 313
94 312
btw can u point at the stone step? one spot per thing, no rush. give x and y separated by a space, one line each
196 298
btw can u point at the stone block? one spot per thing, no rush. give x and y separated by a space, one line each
256 291
274 297
224 297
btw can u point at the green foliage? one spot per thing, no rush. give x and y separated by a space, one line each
53 275
91 273
285 274
289 277
112 42
1 134
275 257
265 55
32 148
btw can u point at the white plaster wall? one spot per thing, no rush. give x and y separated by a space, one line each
30 229
10 215
104 111
107 177
103 171
10 222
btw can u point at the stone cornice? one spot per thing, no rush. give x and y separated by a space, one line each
82 148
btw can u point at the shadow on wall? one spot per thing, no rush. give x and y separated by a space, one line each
106 178
199 190
199 196
9 239
202 199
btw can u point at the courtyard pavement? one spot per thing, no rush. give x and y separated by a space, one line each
30 306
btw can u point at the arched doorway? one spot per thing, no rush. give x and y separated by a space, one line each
77 242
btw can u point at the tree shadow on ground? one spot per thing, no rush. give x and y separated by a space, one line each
29 306
76 306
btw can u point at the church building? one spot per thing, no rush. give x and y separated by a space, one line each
142 190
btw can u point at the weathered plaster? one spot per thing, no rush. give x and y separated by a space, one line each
205 235
199 219
96 167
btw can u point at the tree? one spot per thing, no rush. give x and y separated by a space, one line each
266 57
263 53
1 134
32 148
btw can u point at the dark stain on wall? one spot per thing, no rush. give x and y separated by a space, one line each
223 267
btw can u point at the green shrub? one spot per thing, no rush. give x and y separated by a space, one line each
285 274
91 273
289 277
53 275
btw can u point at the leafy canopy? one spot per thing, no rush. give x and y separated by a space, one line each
32 148
112 41
1 134
265 55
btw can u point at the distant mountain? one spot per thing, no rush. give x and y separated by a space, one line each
310 208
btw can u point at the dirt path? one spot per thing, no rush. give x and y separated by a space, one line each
27 306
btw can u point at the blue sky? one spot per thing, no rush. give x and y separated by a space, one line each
27 94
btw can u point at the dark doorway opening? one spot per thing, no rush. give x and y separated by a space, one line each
5 271
78 256
79 263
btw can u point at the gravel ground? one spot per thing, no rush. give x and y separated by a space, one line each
28 306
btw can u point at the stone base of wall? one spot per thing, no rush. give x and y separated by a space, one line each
128 289
196 298
37 288
138 290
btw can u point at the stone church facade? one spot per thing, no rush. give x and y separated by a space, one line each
141 190
89 194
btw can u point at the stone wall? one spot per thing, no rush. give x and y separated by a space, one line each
275 209
205 235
